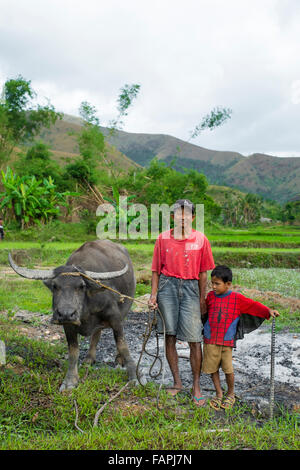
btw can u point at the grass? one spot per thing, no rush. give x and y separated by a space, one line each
281 280
34 415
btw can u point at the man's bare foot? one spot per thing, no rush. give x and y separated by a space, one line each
198 399
173 391
201 401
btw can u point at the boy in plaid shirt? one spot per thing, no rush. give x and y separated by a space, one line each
226 315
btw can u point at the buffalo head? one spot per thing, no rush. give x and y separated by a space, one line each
69 290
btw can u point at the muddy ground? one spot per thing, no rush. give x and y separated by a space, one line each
251 358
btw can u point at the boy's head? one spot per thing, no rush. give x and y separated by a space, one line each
221 278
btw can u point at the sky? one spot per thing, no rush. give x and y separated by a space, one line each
188 57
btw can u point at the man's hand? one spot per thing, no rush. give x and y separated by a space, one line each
273 313
152 302
203 306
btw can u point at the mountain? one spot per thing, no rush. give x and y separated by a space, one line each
63 143
276 178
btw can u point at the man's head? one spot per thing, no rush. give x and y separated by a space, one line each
221 278
185 204
183 213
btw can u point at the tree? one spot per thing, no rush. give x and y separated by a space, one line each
37 161
20 120
215 118
91 140
127 94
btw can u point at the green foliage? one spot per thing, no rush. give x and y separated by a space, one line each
20 121
127 94
291 212
30 200
216 118
160 184
38 162
91 147
240 210
121 213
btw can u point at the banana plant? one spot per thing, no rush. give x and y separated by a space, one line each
31 200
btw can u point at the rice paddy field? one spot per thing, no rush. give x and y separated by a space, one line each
34 415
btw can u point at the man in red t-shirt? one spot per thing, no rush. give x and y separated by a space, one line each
181 258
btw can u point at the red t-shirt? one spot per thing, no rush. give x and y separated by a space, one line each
185 258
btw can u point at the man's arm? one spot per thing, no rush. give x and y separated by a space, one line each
154 287
202 289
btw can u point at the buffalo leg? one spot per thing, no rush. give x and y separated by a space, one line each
72 378
91 355
124 353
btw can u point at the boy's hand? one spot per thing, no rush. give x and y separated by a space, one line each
152 302
274 313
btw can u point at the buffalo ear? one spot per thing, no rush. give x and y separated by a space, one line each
48 283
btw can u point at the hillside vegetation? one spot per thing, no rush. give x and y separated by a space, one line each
272 177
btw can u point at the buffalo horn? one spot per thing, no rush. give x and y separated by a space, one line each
31 273
108 275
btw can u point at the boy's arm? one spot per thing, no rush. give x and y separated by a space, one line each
252 307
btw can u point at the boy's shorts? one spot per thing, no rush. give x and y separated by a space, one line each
179 302
216 356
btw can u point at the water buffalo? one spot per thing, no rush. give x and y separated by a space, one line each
83 307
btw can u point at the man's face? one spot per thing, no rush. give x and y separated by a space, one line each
183 217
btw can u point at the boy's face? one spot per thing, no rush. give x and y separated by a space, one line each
219 286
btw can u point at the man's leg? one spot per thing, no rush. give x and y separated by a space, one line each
172 358
196 362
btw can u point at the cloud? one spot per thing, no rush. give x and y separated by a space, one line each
188 58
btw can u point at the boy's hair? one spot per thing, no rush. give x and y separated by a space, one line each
222 272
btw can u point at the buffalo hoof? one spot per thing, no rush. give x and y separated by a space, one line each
89 360
68 384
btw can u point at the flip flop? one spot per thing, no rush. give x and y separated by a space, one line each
228 403
215 403
197 400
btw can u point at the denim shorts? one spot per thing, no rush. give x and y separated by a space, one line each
179 302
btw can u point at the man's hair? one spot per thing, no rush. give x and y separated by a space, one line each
184 204
222 272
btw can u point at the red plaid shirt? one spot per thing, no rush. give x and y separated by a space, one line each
224 312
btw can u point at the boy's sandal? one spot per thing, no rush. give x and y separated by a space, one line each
228 403
215 403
